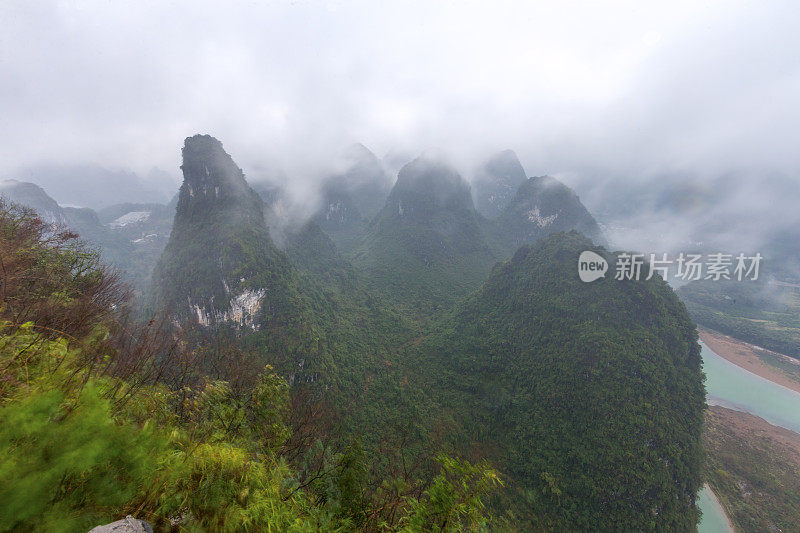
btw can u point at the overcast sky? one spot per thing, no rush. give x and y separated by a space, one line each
618 88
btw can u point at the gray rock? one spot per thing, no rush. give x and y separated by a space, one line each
127 525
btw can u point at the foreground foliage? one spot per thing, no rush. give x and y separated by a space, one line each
100 418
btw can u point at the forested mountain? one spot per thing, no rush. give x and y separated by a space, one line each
520 210
33 196
588 396
495 183
222 271
220 265
413 384
101 417
351 198
541 206
427 242
129 236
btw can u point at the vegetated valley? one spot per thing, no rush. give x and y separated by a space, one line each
399 361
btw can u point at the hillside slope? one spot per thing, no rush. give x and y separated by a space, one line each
426 245
220 265
541 206
589 396
495 183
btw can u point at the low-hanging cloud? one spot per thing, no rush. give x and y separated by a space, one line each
620 92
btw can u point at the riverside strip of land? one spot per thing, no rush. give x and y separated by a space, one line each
753 469
754 359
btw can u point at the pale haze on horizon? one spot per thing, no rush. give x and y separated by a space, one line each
621 87
605 96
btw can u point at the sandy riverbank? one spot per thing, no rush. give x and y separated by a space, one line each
745 356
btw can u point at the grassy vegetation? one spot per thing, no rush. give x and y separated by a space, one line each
754 472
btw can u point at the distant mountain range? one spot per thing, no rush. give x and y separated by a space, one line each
511 353
423 326
130 236
682 212
97 187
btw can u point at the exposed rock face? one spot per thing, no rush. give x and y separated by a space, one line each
126 525
242 310
209 170
132 217
220 265
542 206
214 185
496 182
338 209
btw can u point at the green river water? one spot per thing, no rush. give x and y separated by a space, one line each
731 386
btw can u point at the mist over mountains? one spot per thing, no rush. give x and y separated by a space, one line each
634 107
428 257
729 213
97 187
311 266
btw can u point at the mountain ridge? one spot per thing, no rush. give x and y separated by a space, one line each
427 242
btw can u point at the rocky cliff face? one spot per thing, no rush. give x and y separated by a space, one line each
220 265
213 185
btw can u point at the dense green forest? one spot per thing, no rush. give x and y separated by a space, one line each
421 382
589 396
426 247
